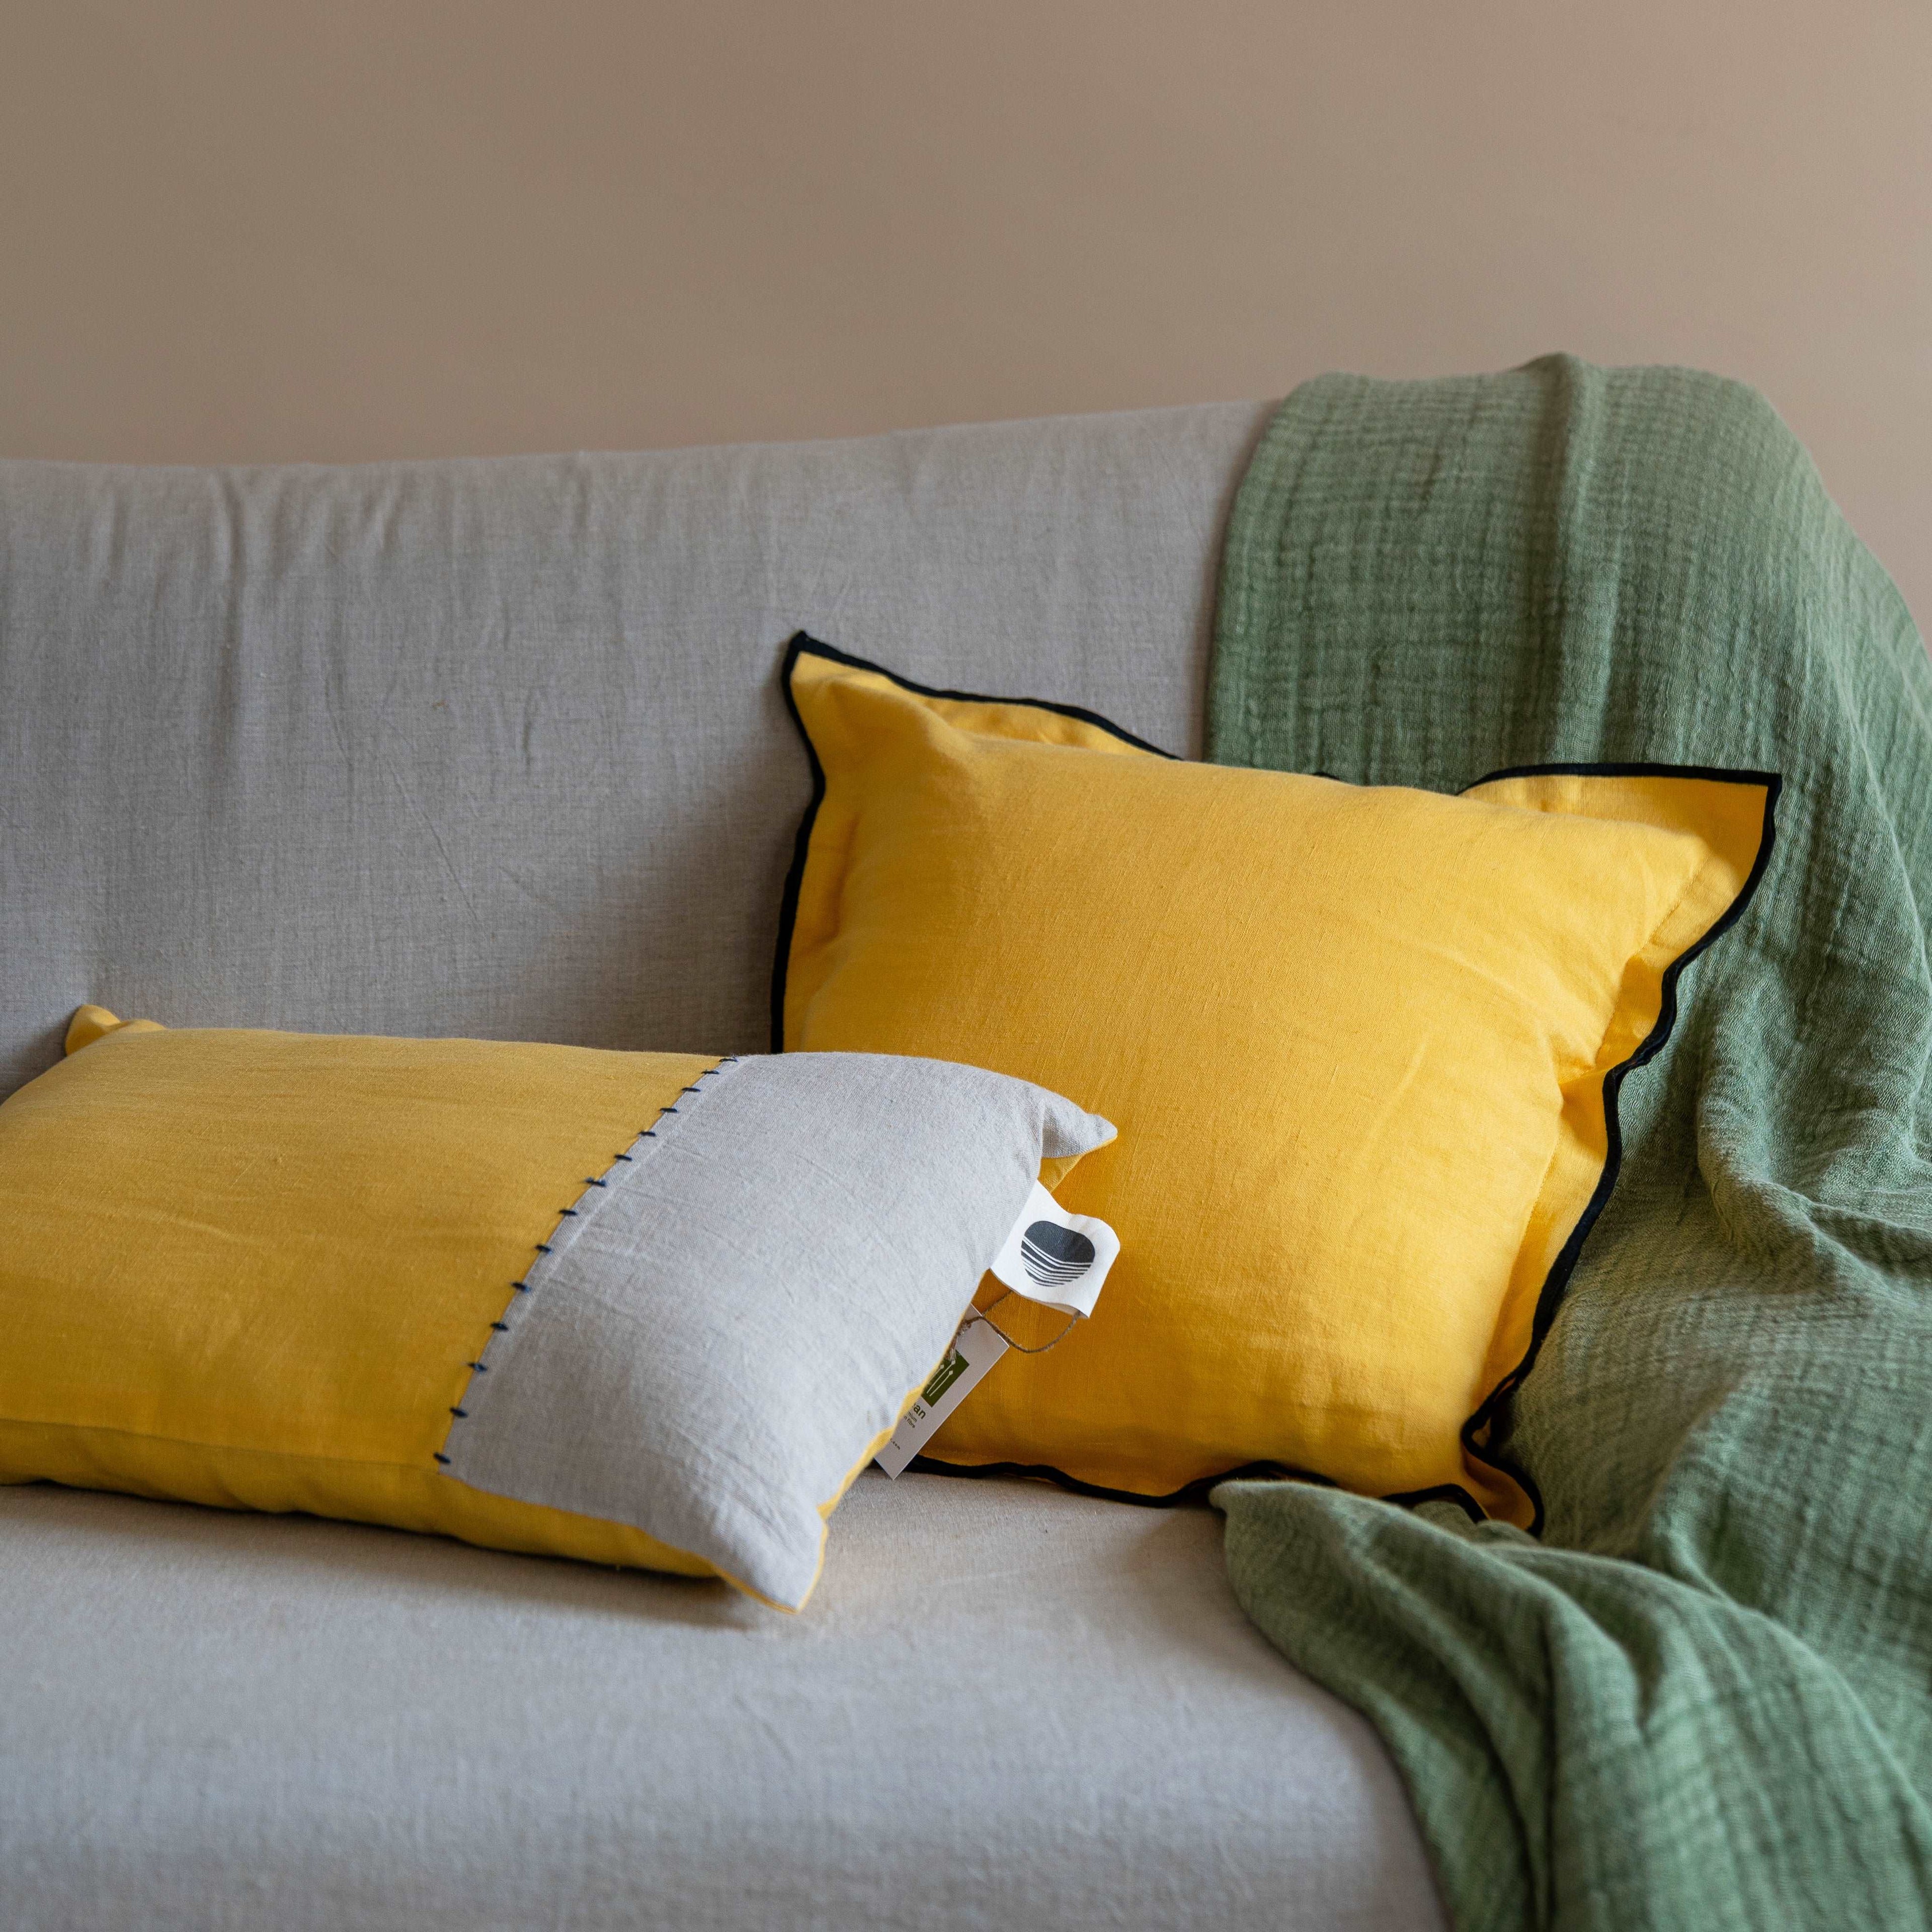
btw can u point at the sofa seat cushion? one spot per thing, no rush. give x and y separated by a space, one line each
1009 1707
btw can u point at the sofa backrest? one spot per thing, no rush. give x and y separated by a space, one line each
497 747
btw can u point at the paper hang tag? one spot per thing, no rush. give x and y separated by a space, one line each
975 1349
1056 1258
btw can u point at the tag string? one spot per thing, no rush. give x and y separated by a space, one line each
986 1315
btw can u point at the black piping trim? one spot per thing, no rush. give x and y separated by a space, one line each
1442 1493
1714 774
1494 1406
1195 1492
804 644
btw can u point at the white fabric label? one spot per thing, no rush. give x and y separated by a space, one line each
974 1350
1056 1258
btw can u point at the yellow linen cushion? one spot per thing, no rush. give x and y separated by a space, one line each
390 1280
1362 1044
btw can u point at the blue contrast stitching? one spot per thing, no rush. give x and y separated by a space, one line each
479 1367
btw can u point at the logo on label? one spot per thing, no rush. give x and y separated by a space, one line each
1053 1255
948 1373
1057 1259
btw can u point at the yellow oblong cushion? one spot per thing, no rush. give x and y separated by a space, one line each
252 1269
1361 1045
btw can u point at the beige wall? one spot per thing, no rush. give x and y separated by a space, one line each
232 232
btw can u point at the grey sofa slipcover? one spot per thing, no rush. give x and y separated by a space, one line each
497 747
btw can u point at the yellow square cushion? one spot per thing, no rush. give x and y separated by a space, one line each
1362 1044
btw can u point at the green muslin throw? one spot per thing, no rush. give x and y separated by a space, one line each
1703 1699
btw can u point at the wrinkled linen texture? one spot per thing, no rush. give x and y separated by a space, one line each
1704 1699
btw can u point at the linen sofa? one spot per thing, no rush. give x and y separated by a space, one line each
498 749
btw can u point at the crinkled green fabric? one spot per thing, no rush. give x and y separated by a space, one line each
1703 1699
